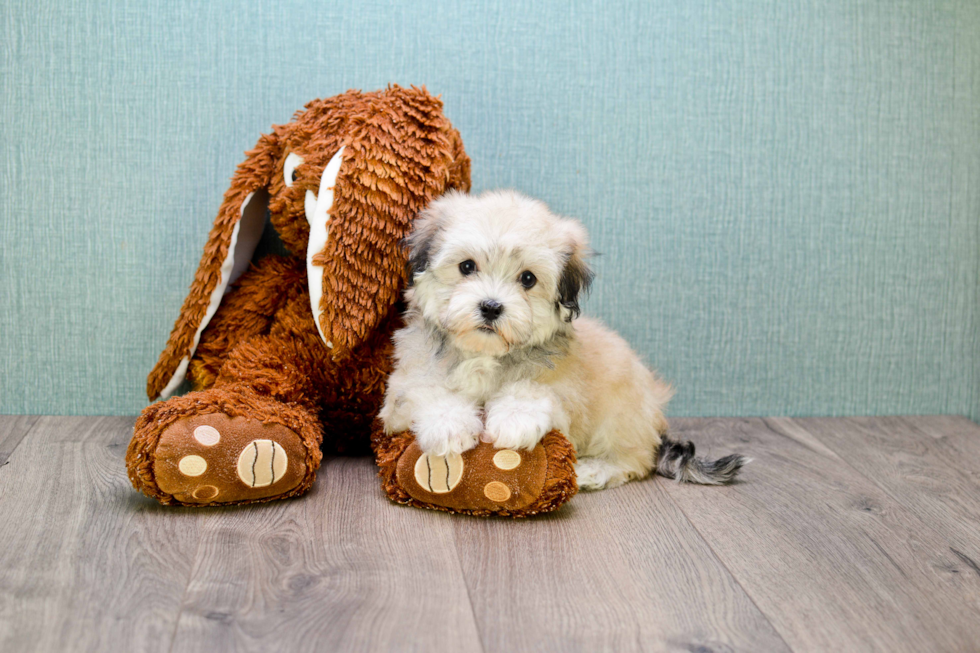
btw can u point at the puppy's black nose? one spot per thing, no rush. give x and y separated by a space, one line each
491 309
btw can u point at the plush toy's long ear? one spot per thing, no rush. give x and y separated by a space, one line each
400 154
229 249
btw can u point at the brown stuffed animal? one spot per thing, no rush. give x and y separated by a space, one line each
296 349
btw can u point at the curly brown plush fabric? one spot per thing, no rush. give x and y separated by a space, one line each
546 489
260 356
152 423
271 383
400 153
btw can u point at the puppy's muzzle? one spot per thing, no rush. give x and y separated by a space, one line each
491 309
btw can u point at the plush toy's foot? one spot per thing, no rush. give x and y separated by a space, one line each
482 481
220 459
212 448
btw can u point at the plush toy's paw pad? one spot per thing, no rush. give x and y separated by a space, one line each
439 474
481 479
506 459
219 459
262 463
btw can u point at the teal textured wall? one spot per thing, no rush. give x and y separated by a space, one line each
786 194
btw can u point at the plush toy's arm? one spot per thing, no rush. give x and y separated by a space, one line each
247 311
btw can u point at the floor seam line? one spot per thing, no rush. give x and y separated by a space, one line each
731 573
466 584
183 596
966 478
907 508
30 429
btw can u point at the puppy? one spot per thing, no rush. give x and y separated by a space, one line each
493 347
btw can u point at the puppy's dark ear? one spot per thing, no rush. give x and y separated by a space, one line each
418 255
421 241
576 276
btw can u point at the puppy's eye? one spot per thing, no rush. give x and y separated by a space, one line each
467 267
528 279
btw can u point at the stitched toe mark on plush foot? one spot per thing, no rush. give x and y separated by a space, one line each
439 474
506 459
205 493
207 435
496 491
192 465
261 463
482 479
215 458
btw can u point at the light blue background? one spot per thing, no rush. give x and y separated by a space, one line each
786 194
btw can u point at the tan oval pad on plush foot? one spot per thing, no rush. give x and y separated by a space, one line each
491 479
220 459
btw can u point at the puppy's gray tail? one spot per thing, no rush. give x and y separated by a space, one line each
677 460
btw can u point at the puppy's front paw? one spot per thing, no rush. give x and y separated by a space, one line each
601 474
445 426
396 415
514 423
593 473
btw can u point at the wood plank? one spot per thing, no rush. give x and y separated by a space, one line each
832 560
339 569
927 474
619 570
847 534
87 564
943 426
13 428
957 438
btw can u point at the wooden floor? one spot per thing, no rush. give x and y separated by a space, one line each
844 535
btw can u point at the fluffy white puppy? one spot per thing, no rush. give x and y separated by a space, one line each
492 348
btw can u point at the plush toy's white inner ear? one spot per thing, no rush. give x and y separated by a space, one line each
319 206
244 239
255 210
